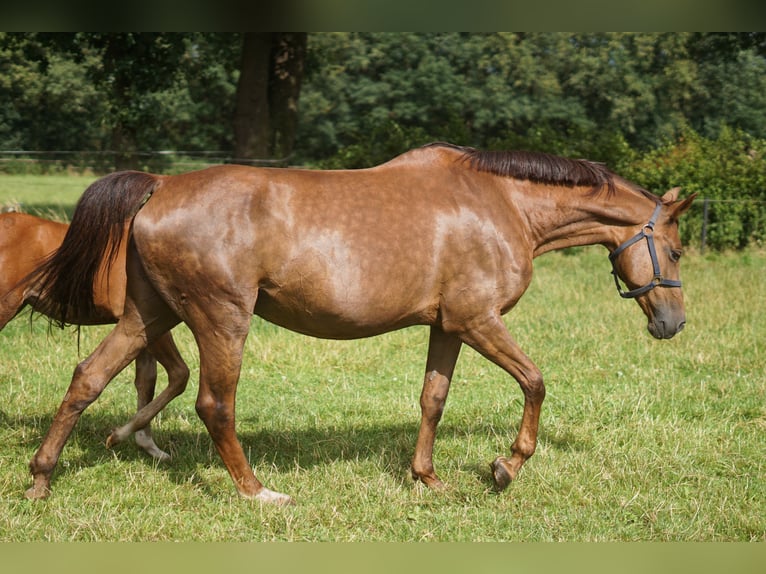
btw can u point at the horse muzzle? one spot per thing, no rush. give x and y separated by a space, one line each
663 329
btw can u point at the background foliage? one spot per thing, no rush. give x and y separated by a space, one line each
729 172
664 109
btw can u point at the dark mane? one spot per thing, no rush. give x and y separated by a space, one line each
543 168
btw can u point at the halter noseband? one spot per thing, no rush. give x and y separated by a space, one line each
658 280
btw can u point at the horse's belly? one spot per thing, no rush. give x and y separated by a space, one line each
346 286
332 316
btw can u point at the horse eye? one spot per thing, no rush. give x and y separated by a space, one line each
675 254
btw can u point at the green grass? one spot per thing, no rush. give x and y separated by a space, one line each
640 440
51 196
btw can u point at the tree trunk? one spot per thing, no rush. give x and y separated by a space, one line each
251 117
266 116
287 57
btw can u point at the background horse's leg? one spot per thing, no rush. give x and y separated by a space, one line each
443 351
491 339
220 353
163 350
90 377
145 383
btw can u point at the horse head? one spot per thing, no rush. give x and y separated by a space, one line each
649 264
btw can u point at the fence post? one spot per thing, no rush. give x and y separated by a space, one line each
703 238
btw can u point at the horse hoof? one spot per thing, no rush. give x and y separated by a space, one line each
270 497
501 474
433 483
116 437
156 453
430 480
37 492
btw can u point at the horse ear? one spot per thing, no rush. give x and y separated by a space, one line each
682 206
671 195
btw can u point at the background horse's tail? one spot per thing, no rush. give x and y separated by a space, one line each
94 236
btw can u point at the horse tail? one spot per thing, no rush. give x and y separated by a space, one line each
66 277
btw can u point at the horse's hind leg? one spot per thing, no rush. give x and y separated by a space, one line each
90 378
220 353
164 351
491 339
443 351
145 383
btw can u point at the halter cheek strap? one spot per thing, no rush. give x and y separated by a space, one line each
647 232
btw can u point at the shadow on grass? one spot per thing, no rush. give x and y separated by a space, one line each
286 449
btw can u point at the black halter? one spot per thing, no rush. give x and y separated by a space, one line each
658 280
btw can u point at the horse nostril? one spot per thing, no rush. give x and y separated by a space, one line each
681 326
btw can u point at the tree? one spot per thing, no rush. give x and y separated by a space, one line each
266 116
131 69
46 99
731 83
604 96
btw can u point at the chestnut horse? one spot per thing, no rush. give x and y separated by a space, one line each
442 236
25 241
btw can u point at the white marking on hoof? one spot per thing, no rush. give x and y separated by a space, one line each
270 497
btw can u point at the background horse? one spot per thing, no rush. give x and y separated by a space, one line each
440 236
25 241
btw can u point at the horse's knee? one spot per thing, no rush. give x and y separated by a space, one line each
533 386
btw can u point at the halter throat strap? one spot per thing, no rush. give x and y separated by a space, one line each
647 232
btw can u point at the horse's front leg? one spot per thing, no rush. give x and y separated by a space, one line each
491 339
443 351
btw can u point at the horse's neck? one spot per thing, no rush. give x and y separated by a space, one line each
578 219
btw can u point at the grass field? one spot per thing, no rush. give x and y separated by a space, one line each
641 440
